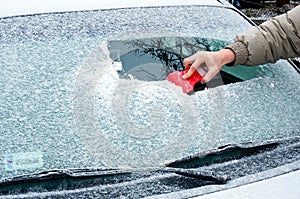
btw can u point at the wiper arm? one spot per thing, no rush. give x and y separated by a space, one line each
199 174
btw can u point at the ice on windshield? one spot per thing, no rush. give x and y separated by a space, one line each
154 121
63 105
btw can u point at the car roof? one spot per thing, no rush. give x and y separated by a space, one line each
21 7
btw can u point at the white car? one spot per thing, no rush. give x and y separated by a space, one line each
87 112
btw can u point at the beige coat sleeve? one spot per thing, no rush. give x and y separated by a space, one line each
277 38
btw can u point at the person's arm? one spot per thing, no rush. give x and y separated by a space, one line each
277 38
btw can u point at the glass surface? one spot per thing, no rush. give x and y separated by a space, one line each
64 104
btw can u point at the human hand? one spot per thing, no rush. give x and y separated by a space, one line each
214 61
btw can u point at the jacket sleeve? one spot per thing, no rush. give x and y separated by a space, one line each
277 38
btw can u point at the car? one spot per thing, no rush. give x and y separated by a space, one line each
87 111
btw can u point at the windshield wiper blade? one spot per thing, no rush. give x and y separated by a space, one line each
224 153
62 173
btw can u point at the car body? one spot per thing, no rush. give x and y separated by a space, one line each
86 111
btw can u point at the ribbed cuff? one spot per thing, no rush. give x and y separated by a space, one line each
240 51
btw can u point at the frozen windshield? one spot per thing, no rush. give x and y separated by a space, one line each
65 101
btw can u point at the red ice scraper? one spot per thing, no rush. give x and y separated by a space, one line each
188 84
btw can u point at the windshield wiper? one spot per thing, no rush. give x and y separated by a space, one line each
61 173
224 153
112 172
